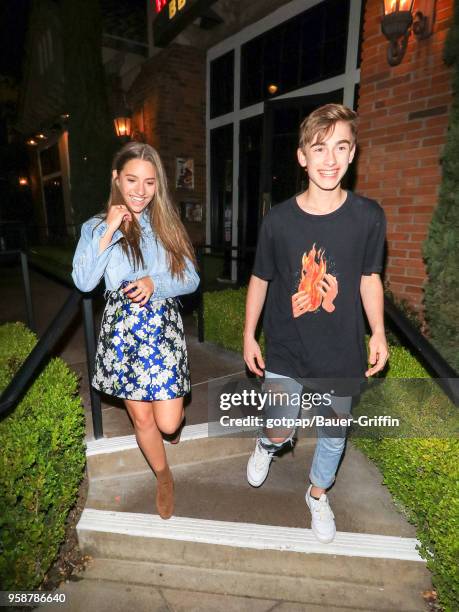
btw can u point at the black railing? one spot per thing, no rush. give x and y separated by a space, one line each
447 377
18 235
22 256
53 333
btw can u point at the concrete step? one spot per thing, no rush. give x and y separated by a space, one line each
217 488
90 591
255 560
121 456
227 537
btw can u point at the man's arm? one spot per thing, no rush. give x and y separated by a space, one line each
256 295
372 293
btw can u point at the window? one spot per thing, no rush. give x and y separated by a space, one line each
221 172
222 85
252 72
305 49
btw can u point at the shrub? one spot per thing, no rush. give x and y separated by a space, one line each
224 318
54 260
224 313
410 313
41 463
441 248
422 474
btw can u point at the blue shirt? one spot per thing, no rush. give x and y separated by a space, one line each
113 264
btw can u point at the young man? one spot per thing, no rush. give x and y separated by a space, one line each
320 253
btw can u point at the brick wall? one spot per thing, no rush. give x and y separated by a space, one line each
402 130
168 99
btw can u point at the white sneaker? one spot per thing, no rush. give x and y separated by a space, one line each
323 520
258 465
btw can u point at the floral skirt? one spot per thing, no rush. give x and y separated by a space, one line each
141 353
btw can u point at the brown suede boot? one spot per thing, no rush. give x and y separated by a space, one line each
165 493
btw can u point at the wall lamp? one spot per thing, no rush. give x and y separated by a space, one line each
397 21
123 124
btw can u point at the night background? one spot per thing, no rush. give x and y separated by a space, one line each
219 88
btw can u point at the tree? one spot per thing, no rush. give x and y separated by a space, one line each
91 135
441 248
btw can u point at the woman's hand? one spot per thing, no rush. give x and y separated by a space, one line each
116 215
141 290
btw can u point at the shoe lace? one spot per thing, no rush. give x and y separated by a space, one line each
322 508
261 457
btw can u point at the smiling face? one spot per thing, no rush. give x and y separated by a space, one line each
137 184
326 159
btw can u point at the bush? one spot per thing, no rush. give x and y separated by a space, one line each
410 313
422 474
211 269
53 260
41 463
224 313
441 248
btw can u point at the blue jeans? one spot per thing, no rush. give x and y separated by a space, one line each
328 449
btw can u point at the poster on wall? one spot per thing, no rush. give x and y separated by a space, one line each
184 173
191 211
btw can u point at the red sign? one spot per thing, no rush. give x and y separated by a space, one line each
160 4
178 14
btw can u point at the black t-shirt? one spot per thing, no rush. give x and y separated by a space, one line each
295 251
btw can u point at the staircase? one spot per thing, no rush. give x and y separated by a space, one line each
228 538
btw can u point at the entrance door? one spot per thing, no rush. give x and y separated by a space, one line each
281 175
269 172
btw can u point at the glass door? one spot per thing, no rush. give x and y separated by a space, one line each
281 175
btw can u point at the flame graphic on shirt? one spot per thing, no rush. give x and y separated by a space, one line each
313 272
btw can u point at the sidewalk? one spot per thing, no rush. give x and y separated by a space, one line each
151 568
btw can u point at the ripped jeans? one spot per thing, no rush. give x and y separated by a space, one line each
328 449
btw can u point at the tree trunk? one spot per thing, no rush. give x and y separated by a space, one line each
91 134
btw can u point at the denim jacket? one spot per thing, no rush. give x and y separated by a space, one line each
89 265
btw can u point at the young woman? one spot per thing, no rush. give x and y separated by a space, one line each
141 248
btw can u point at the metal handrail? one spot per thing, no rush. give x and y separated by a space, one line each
26 283
43 348
448 378
51 336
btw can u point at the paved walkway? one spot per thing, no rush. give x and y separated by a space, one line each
216 490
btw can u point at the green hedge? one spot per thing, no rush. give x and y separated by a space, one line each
422 474
54 260
41 463
441 248
224 313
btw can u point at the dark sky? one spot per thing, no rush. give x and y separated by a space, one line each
13 24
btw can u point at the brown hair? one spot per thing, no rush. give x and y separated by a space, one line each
164 217
322 120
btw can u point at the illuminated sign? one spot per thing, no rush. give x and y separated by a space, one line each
160 4
173 16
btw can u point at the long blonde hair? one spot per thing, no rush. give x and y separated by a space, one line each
164 217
